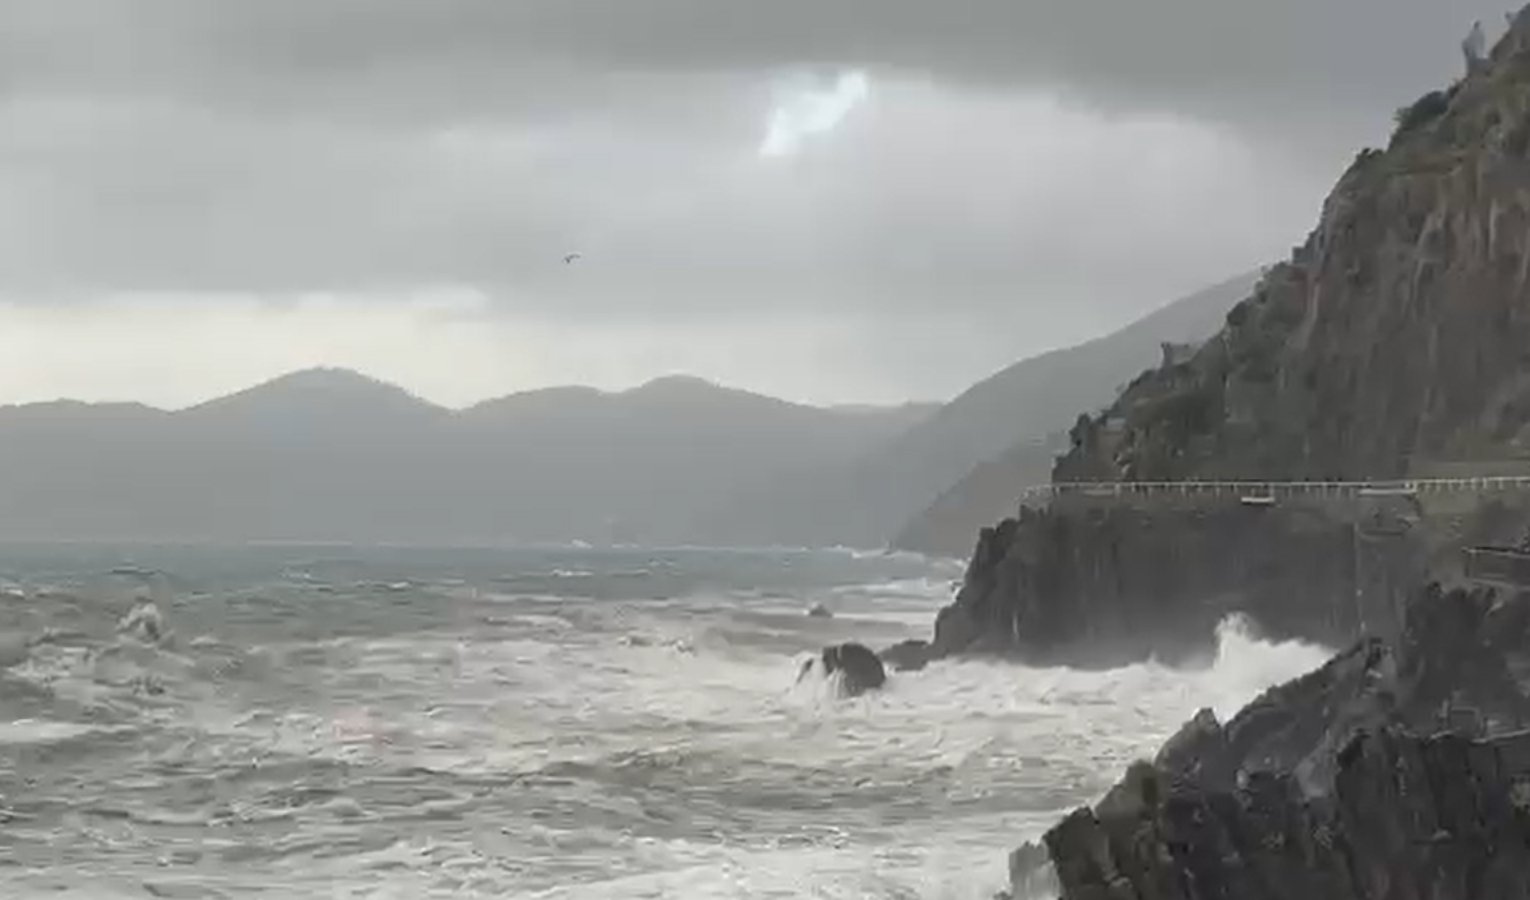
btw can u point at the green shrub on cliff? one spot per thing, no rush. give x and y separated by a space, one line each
1423 111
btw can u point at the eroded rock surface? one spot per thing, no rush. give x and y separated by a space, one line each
1394 771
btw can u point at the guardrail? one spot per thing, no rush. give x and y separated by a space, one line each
1503 565
1276 490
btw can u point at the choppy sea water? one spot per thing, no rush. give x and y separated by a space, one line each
331 722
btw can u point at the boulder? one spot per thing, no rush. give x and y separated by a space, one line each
859 669
819 611
14 651
1201 743
908 656
1030 874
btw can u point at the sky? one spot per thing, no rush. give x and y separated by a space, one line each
826 200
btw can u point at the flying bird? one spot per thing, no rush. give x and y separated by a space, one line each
571 258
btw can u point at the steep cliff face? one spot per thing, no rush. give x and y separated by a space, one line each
1114 584
1398 334
1395 341
1108 583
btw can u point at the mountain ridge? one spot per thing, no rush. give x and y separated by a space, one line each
332 454
723 465
332 379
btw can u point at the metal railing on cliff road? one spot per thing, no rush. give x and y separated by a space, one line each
1254 491
1493 564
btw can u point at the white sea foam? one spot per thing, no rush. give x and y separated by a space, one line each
41 732
602 748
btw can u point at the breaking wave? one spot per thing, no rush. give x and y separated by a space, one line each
396 730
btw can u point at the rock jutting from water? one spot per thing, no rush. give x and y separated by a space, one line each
854 667
1445 817
907 656
1116 584
1396 770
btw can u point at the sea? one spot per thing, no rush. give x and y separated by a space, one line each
535 722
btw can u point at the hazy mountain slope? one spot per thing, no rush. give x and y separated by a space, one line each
1045 393
327 399
871 501
640 465
330 454
986 495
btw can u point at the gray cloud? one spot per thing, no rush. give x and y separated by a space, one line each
1031 204
1037 167
393 57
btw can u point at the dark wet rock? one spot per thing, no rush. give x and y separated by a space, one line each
1194 751
859 669
1442 817
819 611
1030 874
1453 666
1400 758
1114 584
14 651
907 656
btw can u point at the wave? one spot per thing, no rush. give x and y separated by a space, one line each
47 732
889 553
615 745
1246 664
1146 701
925 587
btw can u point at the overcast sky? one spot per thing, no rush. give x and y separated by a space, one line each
829 200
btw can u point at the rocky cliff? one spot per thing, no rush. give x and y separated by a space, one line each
1394 337
1111 585
1396 771
1392 343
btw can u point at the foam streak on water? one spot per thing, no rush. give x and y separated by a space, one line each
555 723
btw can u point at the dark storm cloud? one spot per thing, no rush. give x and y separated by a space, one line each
357 145
1035 206
454 56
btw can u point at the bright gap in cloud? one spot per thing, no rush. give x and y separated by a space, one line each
802 112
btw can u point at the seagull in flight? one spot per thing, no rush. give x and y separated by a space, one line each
571 258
